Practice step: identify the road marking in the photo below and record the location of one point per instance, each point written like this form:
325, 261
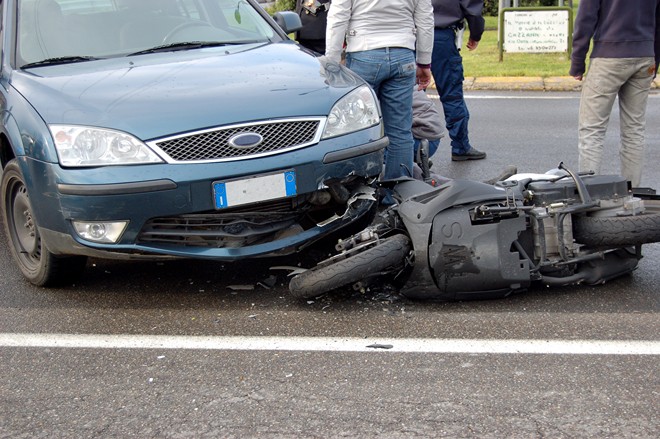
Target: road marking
332, 344
543, 97
535, 97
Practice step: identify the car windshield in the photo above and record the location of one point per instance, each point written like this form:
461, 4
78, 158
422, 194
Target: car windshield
64, 31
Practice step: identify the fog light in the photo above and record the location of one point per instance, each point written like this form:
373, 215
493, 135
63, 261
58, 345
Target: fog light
107, 232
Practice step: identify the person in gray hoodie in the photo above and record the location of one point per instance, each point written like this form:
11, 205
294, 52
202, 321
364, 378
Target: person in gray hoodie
624, 61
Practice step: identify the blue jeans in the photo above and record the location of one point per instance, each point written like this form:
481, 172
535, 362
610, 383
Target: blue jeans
391, 72
447, 70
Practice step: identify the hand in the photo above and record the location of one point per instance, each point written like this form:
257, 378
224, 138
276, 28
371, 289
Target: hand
471, 44
423, 77
578, 77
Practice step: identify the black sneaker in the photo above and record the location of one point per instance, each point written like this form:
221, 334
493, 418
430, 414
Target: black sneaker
472, 154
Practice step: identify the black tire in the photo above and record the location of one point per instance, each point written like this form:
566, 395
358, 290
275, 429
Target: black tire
619, 231
389, 253
38, 265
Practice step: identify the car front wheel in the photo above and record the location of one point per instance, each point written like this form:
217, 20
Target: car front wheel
38, 265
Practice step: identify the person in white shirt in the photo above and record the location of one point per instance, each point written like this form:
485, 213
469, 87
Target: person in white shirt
389, 44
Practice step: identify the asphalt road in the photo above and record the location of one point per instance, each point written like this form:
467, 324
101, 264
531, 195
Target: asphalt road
195, 349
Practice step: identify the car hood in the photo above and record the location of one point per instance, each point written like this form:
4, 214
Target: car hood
156, 95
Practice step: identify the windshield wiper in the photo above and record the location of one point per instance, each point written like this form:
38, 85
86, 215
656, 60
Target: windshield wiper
59, 60
173, 47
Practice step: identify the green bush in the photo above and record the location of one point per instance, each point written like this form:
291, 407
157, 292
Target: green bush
491, 6
282, 5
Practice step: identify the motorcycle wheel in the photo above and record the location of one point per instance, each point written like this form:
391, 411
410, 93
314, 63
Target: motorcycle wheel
389, 253
620, 231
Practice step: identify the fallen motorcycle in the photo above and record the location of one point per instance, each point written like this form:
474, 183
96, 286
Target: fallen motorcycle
470, 240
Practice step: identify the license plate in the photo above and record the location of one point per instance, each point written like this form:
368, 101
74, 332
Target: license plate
254, 189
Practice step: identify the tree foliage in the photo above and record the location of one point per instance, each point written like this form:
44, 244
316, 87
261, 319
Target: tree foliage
491, 7
282, 5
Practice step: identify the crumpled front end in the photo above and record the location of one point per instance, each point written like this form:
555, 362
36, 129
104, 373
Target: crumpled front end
279, 227
276, 227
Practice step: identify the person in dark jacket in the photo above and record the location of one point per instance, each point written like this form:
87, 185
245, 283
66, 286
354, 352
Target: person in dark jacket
314, 17
624, 61
450, 17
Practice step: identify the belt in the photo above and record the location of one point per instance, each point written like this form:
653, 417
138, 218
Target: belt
455, 26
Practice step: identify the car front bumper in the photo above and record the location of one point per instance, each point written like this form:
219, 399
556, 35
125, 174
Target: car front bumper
101, 195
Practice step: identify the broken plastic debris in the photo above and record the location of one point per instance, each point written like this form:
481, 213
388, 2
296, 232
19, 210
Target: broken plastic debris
240, 287
293, 270
380, 346
269, 282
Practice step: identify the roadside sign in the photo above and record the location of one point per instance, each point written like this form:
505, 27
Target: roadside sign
536, 30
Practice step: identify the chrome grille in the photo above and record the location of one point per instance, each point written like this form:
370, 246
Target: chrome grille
278, 136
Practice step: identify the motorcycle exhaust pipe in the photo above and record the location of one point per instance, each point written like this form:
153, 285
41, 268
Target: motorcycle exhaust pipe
563, 281
613, 265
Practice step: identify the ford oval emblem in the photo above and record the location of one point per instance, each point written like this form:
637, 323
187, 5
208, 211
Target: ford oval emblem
245, 140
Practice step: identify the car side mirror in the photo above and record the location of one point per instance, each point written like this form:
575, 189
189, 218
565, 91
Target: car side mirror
289, 21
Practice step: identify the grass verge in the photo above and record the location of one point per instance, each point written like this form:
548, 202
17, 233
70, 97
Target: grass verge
484, 61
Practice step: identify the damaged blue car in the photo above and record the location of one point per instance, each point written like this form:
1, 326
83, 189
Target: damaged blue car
136, 129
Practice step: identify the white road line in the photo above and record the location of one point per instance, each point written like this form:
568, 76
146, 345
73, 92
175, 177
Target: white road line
540, 97
432, 95
329, 344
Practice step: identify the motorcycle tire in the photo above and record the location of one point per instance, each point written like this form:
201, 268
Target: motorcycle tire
389, 253
620, 231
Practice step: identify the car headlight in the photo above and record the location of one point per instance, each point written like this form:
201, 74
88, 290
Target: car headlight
79, 146
355, 111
